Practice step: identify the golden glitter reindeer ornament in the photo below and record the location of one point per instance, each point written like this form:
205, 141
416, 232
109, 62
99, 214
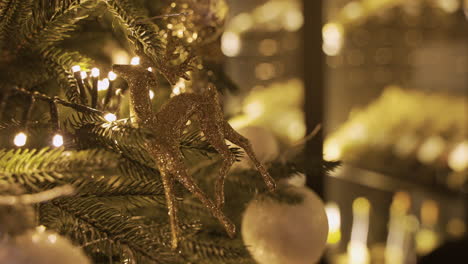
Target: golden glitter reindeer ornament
168, 124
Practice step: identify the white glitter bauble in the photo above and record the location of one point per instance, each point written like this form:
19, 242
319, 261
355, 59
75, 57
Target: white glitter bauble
41, 247
281, 233
264, 145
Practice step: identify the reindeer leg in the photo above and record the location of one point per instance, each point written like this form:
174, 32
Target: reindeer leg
244, 143
176, 162
168, 184
215, 136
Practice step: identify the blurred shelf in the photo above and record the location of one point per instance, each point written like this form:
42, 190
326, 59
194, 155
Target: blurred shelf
393, 183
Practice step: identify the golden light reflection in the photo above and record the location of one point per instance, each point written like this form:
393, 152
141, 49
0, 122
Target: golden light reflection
334, 223
230, 44
358, 252
431, 149
293, 19
426, 241
265, 71
120, 56
333, 39
458, 157
268, 47
254, 109
398, 228
426, 238
332, 150
353, 10
456, 227
449, 6
429, 213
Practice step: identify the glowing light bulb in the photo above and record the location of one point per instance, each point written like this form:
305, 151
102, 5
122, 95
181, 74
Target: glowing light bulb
110, 117
95, 72
57, 140
151, 94
52, 238
135, 61
179, 87
76, 68
230, 44
112, 76
20, 139
150, 69
103, 85
83, 75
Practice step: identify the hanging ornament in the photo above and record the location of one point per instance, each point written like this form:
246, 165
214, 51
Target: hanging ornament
15, 217
197, 21
164, 147
278, 230
41, 247
264, 145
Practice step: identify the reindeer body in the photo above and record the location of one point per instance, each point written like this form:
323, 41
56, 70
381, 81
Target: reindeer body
168, 124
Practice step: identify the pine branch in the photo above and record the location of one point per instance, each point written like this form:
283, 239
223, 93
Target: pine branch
33, 167
120, 191
145, 37
52, 21
137, 171
90, 220
77, 107
207, 251
117, 136
139, 32
58, 63
14, 13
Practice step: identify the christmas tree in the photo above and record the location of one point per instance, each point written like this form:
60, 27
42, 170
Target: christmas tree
128, 162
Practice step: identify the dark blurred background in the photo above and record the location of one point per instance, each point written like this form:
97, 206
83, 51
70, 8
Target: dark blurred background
389, 85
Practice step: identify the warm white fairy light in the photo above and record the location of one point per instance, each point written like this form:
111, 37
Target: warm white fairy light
52, 238
151, 94
83, 75
57, 140
110, 117
103, 85
20, 139
135, 61
150, 69
76, 68
41, 229
95, 72
112, 76
179, 87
